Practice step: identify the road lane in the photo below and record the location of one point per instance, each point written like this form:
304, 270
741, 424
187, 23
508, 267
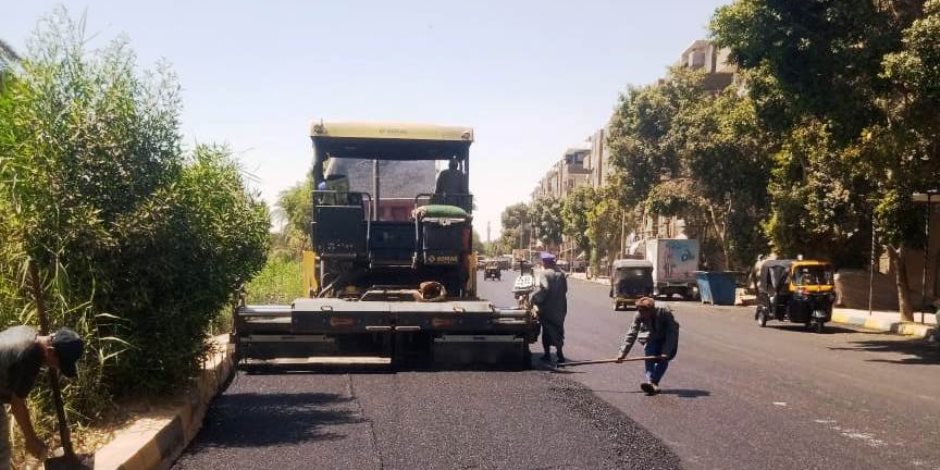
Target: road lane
418, 420
743, 397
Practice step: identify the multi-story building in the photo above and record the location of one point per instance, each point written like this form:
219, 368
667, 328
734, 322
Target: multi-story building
565, 175
598, 160
706, 56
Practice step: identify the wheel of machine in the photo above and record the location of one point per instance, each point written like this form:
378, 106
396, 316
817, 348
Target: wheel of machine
761, 317
820, 327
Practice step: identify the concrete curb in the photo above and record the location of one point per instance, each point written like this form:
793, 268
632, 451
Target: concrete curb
918, 330
155, 442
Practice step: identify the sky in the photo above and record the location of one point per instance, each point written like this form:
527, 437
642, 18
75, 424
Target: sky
531, 77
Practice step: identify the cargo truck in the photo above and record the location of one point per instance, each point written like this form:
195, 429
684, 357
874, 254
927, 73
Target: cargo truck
675, 261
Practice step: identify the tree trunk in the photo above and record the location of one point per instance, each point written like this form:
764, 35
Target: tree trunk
721, 233
897, 256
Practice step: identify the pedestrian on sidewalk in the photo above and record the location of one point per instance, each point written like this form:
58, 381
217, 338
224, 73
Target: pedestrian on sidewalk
551, 297
22, 353
658, 331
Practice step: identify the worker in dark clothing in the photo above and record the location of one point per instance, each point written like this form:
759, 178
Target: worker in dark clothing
551, 297
658, 331
22, 354
451, 182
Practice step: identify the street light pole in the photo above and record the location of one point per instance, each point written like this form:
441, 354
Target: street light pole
927, 197
923, 286
871, 265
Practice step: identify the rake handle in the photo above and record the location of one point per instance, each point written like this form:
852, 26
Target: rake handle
607, 361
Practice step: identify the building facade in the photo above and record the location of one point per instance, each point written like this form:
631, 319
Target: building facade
564, 175
706, 56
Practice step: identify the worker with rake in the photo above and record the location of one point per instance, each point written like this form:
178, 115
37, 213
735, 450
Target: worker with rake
658, 331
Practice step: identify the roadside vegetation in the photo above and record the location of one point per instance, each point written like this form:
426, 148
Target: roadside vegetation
140, 242
280, 282
829, 129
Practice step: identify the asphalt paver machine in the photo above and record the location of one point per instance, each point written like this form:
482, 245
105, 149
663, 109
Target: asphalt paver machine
391, 276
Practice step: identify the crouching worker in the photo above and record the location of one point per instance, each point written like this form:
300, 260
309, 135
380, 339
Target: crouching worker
22, 353
658, 331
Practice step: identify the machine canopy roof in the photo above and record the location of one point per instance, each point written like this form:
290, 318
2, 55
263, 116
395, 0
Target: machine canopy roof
390, 141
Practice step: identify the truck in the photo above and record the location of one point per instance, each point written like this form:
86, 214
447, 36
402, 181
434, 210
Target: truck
391, 277
675, 261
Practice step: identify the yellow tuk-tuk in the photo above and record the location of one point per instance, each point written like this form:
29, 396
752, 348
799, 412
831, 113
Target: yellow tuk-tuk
797, 291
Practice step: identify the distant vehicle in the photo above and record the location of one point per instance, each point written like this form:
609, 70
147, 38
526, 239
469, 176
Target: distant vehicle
492, 271
675, 261
630, 280
505, 262
796, 291
522, 265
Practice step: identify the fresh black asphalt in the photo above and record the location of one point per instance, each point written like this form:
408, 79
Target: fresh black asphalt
418, 420
737, 397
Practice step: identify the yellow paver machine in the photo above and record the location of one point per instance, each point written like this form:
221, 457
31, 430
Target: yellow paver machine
391, 278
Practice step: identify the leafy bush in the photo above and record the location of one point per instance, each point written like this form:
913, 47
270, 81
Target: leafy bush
280, 282
140, 245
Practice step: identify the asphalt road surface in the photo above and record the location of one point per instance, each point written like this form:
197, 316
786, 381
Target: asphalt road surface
419, 420
738, 396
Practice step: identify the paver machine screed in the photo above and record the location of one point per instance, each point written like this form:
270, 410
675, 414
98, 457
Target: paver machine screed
391, 277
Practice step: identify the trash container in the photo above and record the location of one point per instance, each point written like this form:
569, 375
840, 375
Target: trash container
717, 287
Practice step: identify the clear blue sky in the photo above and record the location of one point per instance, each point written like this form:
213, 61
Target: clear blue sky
532, 77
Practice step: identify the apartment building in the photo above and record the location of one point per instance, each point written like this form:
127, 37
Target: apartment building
564, 175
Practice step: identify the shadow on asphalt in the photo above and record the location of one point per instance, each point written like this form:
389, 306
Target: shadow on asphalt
678, 392
686, 392
829, 329
287, 418
509, 366
918, 351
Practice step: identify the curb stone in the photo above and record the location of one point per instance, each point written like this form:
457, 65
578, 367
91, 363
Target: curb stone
918, 330
155, 442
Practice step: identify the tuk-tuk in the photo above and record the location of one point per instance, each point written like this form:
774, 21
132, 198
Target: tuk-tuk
492, 271
798, 291
630, 280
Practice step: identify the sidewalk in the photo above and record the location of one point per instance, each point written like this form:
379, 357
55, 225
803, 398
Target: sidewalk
888, 322
597, 280
155, 441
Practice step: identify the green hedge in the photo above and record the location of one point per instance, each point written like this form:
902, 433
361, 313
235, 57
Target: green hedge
140, 243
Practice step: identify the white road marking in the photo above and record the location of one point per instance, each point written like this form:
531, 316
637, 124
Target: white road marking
866, 437
780, 403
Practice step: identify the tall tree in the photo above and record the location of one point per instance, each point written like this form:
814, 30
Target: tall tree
546, 214
832, 78
576, 207
295, 209
517, 225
